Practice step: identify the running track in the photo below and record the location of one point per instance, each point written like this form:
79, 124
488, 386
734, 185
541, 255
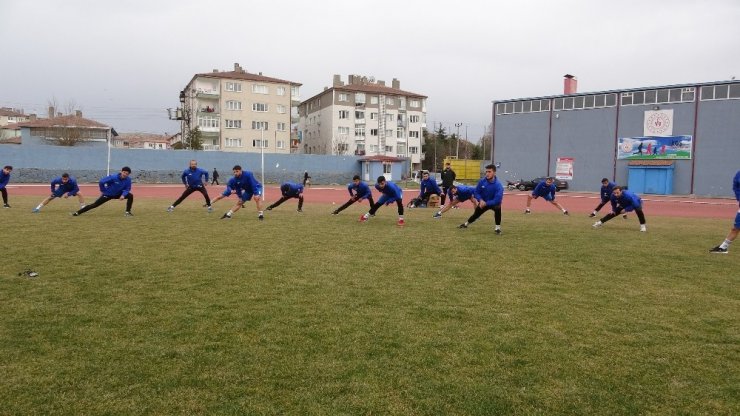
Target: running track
575, 202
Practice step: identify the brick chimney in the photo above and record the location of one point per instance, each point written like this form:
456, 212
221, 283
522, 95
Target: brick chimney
337, 82
78, 113
350, 80
570, 84
396, 84
51, 111
32, 117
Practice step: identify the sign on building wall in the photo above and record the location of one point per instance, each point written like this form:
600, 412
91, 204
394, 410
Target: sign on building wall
564, 168
671, 147
658, 123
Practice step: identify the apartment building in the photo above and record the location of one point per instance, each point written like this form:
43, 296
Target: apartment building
11, 115
238, 111
363, 117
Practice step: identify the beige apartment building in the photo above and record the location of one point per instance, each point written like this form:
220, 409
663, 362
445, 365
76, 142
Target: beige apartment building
364, 117
238, 111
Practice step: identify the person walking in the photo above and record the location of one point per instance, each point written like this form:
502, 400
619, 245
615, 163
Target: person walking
490, 194
4, 179
624, 200
358, 190
62, 187
116, 186
192, 178
722, 248
214, 177
306, 179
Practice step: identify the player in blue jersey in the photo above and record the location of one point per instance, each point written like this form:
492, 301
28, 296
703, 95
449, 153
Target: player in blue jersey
358, 190
545, 189
458, 195
607, 187
627, 201
116, 186
390, 193
722, 248
62, 187
489, 193
246, 187
4, 179
289, 190
193, 179
427, 188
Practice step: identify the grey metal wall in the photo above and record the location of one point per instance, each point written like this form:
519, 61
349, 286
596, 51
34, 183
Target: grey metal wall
717, 147
587, 136
521, 145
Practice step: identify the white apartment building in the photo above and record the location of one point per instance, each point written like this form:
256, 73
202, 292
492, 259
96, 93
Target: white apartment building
363, 117
238, 111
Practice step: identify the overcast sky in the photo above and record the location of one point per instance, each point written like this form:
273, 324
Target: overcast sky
123, 63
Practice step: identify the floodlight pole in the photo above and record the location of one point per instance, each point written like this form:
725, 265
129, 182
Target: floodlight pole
107, 169
262, 157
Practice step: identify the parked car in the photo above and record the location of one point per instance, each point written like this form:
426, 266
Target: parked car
526, 185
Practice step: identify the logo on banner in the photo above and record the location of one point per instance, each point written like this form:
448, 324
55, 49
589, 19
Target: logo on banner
658, 123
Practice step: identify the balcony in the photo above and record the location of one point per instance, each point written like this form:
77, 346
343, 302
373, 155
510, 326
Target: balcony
210, 130
208, 110
359, 121
359, 153
206, 93
211, 147
359, 138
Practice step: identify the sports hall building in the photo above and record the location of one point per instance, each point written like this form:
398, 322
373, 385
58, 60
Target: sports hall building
675, 139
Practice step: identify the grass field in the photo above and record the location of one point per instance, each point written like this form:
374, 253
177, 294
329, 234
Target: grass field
310, 313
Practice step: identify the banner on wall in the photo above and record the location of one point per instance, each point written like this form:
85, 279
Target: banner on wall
564, 168
658, 123
671, 147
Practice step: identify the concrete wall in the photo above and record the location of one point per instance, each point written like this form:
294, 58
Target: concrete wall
39, 163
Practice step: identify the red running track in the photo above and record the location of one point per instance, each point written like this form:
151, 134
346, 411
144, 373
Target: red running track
575, 202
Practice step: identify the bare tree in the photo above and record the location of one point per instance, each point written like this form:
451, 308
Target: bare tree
63, 131
339, 145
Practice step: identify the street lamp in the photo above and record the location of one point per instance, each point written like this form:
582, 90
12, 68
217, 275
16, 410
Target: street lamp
457, 152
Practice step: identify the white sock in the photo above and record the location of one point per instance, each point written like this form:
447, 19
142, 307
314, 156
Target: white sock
563, 209
39, 206
594, 213
498, 227
725, 244
367, 215
172, 207
400, 217
260, 212
228, 214
599, 222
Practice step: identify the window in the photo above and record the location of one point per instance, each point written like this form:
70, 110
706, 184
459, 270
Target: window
280, 90
536, 106
389, 101
611, 100
233, 124
414, 134
402, 102
373, 116
342, 147
650, 97
343, 130
414, 103
390, 117
374, 99
387, 168
413, 150
259, 125
228, 142
373, 132
687, 94
359, 114
734, 91
343, 114
233, 105
518, 107
389, 149
294, 91
256, 143
360, 98
527, 107
374, 148
281, 126
260, 107
389, 133
401, 150
343, 97
280, 108
415, 119
662, 96
280, 144
208, 122
545, 105
234, 86
399, 133
359, 130
260, 89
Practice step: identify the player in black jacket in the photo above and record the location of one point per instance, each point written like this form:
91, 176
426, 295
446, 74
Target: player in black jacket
448, 178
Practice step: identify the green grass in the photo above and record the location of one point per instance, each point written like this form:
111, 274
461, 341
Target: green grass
315, 314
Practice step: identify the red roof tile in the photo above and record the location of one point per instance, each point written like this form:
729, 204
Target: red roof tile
9, 112
245, 76
63, 121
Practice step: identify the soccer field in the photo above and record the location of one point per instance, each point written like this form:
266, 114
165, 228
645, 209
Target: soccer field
309, 313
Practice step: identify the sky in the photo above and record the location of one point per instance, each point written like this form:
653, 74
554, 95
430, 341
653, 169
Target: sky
124, 63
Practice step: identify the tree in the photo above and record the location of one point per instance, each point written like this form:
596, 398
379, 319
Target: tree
194, 140
65, 131
339, 145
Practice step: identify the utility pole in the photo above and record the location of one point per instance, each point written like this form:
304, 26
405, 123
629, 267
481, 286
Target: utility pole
457, 137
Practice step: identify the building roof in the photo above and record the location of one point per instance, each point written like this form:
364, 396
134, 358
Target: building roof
11, 126
368, 88
11, 140
64, 121
381, 158
144, 137
243, 75
9, 112
697, 84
